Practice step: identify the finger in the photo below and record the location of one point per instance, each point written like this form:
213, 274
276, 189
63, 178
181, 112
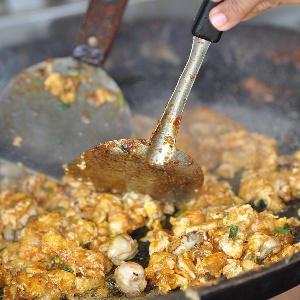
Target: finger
267, 4
287, 2
258, 10
230, 12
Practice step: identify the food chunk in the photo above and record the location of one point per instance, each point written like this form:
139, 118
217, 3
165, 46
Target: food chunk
63, 238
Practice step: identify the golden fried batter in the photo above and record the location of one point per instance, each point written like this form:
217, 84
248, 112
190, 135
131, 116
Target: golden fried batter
61, 239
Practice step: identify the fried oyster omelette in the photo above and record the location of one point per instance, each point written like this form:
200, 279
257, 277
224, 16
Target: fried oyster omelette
63, 239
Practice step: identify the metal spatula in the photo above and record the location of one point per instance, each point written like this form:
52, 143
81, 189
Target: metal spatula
54, 110
153, 166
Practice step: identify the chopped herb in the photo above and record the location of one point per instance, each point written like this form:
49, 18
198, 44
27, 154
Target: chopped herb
75, 74
227, 215
1, 249
129, 189
285, 229
122, 202
59, 208
47, 188
178, 213
56, 259
266, 266
163, 223
56, 142
64, 106
288, 259
298, 194
66, 268
121, 99
233, 230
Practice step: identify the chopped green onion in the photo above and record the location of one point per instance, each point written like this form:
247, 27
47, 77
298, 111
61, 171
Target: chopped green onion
227, 215
59, 208
2, 249
233, 230
74, 73
47, 188
56, 259
282, 230
298, 194
64, 106
178, 213
56, 142
122, 202
288, 259
67, 269
163, 223
266, 266
121, 99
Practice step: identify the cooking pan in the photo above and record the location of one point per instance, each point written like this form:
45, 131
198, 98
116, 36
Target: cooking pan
252, 76
69, 101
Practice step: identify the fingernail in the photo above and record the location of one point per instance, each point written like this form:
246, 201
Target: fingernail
218, 20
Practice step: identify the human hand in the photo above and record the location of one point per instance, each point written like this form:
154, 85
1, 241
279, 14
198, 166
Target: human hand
230, 12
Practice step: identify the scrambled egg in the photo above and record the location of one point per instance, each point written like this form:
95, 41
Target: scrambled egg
204, 245
65, 88
61, 239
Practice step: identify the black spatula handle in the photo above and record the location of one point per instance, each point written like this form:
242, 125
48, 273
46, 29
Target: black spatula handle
202, 27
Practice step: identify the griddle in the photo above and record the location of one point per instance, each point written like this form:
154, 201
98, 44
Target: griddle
146, 61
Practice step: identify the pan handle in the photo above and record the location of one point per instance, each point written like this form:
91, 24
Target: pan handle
202, 28
98, 30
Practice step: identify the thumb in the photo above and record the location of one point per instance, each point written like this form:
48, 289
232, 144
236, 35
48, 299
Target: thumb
230, 12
